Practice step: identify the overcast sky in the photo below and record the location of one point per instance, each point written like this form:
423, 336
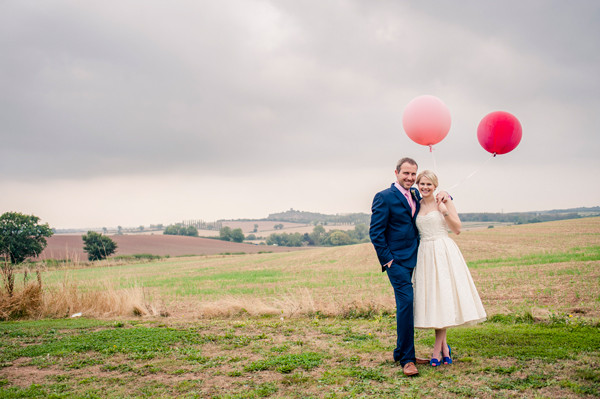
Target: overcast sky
144, 112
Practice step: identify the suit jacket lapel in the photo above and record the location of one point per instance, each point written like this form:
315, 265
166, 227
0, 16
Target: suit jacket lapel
402, 197
405, 201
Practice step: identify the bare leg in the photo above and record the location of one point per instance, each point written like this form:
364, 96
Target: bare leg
445, 347
440, 345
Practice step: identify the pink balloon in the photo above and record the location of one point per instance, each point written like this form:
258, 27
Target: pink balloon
426, 120
499, 132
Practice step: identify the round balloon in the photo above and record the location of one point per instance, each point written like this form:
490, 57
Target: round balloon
499, 132
426, 120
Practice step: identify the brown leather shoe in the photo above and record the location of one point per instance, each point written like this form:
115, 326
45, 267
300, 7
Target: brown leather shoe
420, 360
410, 369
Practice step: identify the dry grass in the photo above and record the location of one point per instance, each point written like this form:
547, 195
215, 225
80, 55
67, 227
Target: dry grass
23, 303
520, 240
291, 304
569, 287
72, 299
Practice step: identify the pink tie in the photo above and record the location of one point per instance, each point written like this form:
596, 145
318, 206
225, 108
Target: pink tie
412, 205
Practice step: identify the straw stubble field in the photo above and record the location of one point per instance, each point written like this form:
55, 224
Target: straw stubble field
548, 267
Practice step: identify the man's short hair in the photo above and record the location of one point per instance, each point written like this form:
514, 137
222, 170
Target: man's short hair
405, 160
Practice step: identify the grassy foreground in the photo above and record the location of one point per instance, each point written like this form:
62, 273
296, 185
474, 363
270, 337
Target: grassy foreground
296, 358
315, 323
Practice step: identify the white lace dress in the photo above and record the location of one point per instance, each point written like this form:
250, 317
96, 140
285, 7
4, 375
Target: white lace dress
444, 292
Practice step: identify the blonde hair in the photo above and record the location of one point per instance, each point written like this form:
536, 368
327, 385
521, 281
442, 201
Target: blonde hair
430, 175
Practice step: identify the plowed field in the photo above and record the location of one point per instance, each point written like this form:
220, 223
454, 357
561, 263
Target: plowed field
71, 246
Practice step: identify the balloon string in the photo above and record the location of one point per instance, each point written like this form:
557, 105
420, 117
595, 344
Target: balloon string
472, 173
434, 162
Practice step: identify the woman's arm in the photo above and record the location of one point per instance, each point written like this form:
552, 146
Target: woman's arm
450, 215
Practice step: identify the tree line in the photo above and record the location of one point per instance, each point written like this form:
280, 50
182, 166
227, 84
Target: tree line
295, 216
320, 237
180, 229
517, 217
512, 217
225, 233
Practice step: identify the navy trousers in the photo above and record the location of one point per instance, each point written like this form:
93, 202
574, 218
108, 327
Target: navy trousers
401, 280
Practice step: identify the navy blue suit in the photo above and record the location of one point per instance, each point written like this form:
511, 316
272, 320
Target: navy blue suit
395, 237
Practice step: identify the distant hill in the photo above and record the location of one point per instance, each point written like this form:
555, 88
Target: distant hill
531, 217
296, 216
302, 217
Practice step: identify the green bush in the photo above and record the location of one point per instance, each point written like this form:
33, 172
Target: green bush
97, 246
227, 234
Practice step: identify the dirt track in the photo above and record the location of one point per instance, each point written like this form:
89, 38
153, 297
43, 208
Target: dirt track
71, 246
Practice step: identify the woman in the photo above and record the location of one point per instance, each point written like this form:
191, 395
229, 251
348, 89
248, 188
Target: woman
444, 292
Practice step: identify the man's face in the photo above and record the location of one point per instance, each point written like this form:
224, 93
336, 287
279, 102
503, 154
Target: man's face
407, 175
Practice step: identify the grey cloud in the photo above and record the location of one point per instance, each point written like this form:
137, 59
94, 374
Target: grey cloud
222, 87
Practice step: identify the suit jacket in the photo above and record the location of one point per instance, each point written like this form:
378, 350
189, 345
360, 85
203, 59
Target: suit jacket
393, 229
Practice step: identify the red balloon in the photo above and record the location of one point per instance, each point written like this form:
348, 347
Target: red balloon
426, 120
499, 132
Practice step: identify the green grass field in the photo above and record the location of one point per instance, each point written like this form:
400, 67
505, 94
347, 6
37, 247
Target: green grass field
317, 323
302, 357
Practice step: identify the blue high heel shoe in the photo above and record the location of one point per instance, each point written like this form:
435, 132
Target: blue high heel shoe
434, 362
448, 359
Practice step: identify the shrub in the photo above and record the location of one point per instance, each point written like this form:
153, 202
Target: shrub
225, 233
237, 235
97, 246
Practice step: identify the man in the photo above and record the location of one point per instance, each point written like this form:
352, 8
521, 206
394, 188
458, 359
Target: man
395, 237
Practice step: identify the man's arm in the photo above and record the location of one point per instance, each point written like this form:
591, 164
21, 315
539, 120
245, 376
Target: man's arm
379, 220
443, 196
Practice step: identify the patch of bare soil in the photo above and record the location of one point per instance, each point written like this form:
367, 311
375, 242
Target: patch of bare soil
23, 375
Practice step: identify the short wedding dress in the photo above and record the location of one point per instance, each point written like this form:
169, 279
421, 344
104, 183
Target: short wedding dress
444, 292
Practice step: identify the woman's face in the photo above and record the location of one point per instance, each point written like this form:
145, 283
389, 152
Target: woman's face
426, 187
